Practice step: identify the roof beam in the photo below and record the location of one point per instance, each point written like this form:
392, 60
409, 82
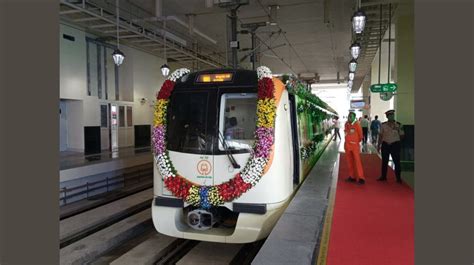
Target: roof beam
86, 19
101, 26
67, 12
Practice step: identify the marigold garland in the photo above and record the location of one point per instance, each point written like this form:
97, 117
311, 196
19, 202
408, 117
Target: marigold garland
209, 196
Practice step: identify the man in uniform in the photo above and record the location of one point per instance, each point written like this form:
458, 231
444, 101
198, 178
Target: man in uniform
353, 136
390, 134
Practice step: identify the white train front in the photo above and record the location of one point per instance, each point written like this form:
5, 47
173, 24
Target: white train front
209, 121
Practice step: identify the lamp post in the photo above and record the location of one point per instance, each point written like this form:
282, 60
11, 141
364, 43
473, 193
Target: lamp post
118, 55
351, 76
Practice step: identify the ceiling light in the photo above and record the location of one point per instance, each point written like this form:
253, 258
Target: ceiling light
351, 76
352, 65
358, 21
165, 70
355, 50
273, 14
118, 57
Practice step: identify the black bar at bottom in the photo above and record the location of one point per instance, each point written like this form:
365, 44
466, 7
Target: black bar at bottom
169, 202
250, 208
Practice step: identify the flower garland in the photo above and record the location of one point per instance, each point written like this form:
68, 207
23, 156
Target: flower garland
208, 196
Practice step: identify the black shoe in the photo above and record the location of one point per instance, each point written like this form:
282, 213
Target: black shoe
350, 179
382, 179
361, 181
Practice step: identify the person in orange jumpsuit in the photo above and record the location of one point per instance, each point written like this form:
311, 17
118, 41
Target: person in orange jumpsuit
353, 136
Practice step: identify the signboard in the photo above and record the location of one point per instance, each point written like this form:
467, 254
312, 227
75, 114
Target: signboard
357, 104
234, 44
379, 88
208, 78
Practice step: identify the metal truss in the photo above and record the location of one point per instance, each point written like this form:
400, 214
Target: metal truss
100, 19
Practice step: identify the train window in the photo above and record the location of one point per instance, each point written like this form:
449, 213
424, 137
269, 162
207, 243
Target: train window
237, 120
187, 123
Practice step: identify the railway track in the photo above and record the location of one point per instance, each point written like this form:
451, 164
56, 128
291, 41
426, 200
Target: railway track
159, 249
121, 232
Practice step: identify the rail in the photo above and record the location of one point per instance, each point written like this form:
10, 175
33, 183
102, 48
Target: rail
109, 181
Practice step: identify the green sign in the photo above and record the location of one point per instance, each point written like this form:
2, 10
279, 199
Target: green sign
378, 88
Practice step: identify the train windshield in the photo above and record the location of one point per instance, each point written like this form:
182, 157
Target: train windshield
188, 123
237, 120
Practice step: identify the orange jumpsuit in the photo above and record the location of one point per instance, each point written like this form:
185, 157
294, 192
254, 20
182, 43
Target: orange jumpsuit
353, 136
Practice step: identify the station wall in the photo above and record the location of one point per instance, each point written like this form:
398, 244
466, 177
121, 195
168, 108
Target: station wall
139, 77
377, 105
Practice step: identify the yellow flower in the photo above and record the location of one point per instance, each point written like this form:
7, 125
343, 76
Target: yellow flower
193, 197
214, 197
266, 112
159, 117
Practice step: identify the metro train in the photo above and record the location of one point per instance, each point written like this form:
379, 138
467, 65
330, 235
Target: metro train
231, 147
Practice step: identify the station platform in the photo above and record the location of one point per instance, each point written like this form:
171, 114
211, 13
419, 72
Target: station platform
331, 221
71, 159
84, 176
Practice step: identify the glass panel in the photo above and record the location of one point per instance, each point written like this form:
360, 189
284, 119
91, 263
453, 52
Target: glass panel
110, 90
99, 70
121, 116
103, 116
93, 77
187, 123
129, 117
237, 120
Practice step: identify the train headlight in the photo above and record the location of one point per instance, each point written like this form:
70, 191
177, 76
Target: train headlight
193, 219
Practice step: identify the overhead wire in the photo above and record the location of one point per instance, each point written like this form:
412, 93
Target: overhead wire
286, 38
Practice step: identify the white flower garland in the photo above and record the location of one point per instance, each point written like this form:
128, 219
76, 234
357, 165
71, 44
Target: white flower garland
263, 71
178, 73
253, 171
164, 166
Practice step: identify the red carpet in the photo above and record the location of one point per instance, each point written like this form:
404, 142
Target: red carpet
373, 224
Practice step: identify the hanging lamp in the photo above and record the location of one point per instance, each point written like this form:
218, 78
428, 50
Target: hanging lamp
351, 76
165, 69
355, 50
358, 20
352, 65
118, 55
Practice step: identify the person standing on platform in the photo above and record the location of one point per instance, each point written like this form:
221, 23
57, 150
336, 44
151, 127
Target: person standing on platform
353, 136
364, 123
375, 129
390, 135
336, 128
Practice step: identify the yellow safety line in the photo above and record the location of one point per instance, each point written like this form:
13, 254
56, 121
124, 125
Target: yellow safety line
324, 245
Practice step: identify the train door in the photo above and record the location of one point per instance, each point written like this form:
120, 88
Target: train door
294, 137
